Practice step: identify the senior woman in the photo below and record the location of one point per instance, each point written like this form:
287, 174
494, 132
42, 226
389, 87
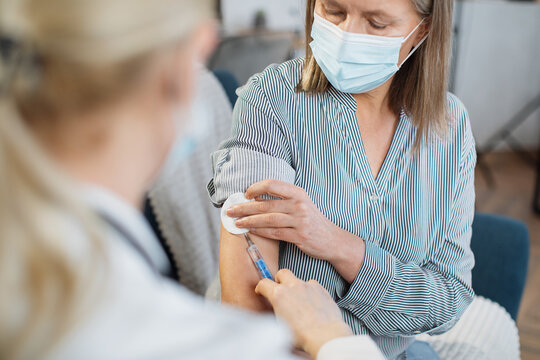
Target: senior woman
362, 168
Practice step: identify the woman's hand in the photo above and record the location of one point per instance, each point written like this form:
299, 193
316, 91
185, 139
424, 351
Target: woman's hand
308, 309
297, 220
294, 219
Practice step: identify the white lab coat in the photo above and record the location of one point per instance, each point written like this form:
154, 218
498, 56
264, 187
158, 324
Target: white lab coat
138, 314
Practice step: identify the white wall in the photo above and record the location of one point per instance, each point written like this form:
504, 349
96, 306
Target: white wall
281, 15
498, 66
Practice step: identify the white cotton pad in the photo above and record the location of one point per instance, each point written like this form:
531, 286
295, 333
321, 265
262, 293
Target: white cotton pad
229, 222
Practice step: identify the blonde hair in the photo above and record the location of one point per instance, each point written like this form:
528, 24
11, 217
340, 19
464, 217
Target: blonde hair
420, 87
70, 55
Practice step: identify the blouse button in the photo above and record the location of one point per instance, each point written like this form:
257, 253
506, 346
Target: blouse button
374, 197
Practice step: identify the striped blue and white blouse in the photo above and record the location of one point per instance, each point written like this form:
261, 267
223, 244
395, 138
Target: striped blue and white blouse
415, 216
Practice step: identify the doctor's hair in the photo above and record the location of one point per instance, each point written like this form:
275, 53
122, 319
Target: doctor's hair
63, 57
420, 87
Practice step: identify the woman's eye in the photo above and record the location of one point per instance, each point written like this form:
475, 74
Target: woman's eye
376, 26
336, 13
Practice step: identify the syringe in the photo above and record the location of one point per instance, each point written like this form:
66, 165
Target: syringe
229, 224
258, 260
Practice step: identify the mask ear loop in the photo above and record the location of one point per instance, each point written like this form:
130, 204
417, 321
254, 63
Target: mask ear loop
417, 46
413, 30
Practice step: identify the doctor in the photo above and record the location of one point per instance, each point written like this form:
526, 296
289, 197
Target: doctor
86, 121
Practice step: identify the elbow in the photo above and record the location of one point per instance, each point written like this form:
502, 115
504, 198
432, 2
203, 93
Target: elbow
449, 316
463, 297
444, 314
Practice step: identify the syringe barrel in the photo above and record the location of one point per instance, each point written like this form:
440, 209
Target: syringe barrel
259, 262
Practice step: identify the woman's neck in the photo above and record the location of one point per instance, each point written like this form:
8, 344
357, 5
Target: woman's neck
374, 106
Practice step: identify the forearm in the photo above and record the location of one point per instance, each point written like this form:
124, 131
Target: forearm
392, 297
238, 275
347, 256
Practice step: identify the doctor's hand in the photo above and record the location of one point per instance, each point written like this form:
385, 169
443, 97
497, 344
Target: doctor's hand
308, 309
297, 220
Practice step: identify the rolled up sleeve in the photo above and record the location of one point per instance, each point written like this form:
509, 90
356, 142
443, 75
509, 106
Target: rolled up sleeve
260, 147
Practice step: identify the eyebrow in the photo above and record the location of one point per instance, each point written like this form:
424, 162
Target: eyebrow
380, 14
370, 13
332, 3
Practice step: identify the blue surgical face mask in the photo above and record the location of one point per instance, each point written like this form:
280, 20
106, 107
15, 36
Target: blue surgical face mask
356, 63
192, 125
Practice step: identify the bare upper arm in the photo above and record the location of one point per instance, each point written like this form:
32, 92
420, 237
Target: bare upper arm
238, 275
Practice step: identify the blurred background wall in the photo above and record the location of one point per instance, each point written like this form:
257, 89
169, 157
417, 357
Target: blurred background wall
498, 66
281, 15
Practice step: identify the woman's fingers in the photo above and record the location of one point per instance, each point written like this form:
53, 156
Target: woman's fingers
261, 207
282, 234
311, 313
266, 288
274, 220
285, 276
275, 188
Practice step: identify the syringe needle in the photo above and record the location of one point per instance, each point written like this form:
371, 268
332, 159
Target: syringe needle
246, 236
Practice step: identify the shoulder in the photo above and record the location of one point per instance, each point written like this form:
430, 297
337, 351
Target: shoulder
277, 80
459, 117
459, 129
457, 109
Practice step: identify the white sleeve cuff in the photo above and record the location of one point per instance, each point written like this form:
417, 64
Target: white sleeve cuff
350, 347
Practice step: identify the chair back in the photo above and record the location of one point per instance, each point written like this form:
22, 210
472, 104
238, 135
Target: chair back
501, 249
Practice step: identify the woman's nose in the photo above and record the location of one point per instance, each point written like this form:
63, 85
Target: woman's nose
353, 25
